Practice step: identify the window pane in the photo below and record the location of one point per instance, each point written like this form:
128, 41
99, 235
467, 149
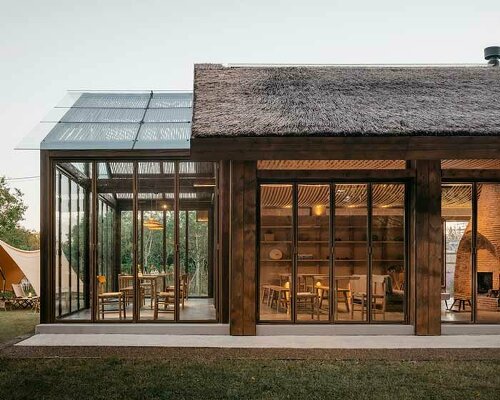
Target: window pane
197, 205
276, 252
72, 237
156, 240
388, 252
351, 252
313, 253
456, 212
488, 253
115, 283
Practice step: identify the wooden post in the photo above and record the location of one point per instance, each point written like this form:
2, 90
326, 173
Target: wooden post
428, 247
47, 277
243, 247
224, 239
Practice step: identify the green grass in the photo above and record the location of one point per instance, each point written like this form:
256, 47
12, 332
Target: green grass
114, 378
15, 323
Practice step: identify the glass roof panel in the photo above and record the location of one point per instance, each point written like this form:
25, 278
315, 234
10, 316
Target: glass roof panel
115, 121
170, 100
103, 115
91, 136
179, 114
172, 135
112, 100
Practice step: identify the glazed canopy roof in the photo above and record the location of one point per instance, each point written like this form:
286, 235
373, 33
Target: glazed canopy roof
345, 101
115, 121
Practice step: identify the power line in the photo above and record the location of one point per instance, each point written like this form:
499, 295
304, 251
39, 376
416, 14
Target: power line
23, 178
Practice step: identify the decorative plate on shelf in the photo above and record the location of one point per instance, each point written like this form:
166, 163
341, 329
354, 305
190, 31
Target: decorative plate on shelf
275, 254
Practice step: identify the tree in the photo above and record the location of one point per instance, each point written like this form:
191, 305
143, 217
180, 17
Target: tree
12, 209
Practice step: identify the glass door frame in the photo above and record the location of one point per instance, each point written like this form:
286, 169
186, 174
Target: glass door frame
332, 245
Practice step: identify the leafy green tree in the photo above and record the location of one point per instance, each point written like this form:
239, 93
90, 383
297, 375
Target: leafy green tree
12, 209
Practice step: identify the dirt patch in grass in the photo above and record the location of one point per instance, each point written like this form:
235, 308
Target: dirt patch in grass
214, 354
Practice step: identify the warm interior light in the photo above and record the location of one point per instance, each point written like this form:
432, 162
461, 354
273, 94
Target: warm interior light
202, 216
319, 210
152, 224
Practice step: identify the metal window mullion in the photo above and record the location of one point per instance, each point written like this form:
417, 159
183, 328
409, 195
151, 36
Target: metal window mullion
59, 241
78, 247
293, 283
176, 240
474, 254
332, 293
135, 259
369, 288
93, 243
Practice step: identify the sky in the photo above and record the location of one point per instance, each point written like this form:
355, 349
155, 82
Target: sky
48, 47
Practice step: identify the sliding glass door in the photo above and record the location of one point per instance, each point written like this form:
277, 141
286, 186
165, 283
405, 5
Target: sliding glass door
332, 252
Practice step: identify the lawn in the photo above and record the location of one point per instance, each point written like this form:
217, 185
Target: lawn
163, 373
16, 323
116, 378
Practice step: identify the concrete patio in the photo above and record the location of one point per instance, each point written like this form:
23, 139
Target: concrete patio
275, 342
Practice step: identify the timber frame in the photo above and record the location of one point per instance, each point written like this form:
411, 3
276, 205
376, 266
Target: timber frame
237, 222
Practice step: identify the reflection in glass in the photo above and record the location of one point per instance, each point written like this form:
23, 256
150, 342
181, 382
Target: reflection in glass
276, 252
456, 293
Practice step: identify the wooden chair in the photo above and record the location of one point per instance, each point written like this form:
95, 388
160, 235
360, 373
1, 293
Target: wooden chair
183, 288
164, 298
359, 296
20, 299
109, 298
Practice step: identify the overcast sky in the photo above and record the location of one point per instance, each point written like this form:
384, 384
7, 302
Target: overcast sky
48, 47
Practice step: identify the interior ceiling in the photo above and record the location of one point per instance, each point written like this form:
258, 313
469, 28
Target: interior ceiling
370, 164
384, 195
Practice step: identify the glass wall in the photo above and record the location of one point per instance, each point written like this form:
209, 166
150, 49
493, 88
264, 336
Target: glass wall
488, 253
312, 294
197, 239
156, 221
155, 233
351, 252
456, 292
388, 252
350, 237
115, 295
276, 252
72, 218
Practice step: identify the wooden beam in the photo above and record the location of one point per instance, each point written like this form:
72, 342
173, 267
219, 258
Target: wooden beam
460, 175
243, 248
428, 247
337, 175
346, 148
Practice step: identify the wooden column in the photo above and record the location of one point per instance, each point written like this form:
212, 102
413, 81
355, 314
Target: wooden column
428, 247
47, 277
224, 214
243, 247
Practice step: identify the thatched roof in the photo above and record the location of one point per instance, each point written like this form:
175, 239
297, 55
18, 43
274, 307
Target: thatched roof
345, 101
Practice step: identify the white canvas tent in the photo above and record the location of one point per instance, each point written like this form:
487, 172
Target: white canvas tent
17, 264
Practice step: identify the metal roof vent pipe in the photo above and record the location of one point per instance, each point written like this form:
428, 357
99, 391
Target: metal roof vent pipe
492, 54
